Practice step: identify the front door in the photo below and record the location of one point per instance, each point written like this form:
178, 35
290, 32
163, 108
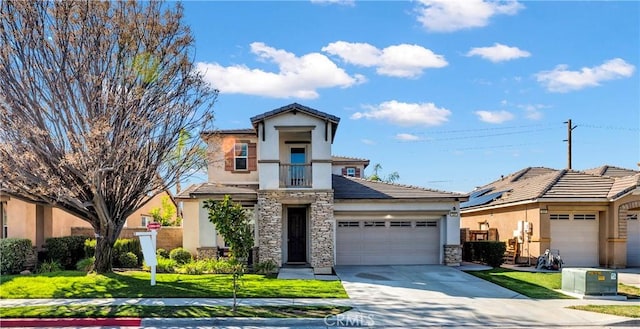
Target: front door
297, 235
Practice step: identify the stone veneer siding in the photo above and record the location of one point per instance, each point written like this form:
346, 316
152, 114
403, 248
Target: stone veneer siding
452, 254
271, 204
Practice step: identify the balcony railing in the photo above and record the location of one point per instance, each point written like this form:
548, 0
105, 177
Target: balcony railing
295, 175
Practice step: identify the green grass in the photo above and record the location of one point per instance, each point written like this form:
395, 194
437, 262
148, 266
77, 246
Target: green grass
533, 285
73, 284
631, 311
145, 311
630, 291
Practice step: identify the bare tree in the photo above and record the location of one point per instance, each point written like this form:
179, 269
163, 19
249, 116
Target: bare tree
94, 96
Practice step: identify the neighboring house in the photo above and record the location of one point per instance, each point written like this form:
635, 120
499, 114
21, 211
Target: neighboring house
590, 216
312, 209
35, 221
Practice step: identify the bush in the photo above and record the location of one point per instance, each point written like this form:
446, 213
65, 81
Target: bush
165, 265
162, 253
180, 255
14, 253
266, 267
123, 246
86, 264
197, 267
49, 267
90, 247
67, 250
128, 260
488, 252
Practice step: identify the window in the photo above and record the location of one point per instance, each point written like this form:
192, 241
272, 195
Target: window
348, 224
632, 216
431, 223
400, 224
559, 216
146, 219
240, 156
351, 172
374, 224
584, 217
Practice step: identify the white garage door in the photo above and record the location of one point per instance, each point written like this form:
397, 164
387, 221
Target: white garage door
388, 242
633, 240
576, 236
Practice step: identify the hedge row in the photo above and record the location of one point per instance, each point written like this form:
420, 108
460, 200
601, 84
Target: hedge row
487, 252
14, 254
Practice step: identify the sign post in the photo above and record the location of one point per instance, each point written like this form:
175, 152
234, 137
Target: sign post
148, 243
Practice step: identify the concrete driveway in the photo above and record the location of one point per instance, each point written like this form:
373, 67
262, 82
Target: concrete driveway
433, 295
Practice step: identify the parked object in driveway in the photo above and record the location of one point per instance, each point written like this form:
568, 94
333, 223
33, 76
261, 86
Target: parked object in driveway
551, 260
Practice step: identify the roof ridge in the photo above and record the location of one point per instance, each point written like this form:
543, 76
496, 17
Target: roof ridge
348, 157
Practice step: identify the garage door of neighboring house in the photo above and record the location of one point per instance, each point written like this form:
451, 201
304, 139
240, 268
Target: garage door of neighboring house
633, 240
576, 236
388, 242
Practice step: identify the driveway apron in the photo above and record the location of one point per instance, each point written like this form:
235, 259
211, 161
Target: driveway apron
434, 295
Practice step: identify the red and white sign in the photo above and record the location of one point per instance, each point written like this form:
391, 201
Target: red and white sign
154, 226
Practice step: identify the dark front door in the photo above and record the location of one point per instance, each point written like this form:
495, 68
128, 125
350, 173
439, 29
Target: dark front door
297, 235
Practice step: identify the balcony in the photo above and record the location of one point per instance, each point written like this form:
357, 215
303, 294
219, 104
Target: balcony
295, 175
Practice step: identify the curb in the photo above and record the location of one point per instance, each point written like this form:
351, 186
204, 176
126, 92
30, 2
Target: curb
72, 322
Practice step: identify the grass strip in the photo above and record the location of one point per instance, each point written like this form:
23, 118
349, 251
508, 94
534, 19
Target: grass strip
148, 311
132, 284
631, 311
530, 284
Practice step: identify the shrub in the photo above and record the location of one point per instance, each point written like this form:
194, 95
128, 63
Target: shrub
488, 252
162, 253
49, 267
90, 247
266, 267
165, 265
180, 255
86, 264
220, 266
66, 250
123, 246
197, 267
14, 253
128, 260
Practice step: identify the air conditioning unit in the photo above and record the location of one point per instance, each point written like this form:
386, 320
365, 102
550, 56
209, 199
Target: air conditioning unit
590, 281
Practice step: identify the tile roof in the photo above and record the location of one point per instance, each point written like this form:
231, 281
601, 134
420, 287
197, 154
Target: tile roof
357, 188
611, 171
536, 183
204, 189
242, 131
295, 107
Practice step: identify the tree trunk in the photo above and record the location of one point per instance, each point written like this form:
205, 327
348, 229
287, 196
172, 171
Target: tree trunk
103, 262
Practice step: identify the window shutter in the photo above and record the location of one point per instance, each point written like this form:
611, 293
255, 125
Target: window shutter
228, 159
253, 157
358, 172
344, 171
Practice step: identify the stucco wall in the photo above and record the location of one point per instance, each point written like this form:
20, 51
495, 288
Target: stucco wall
217, 147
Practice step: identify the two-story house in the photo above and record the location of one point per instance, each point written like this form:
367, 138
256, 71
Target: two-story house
312, 208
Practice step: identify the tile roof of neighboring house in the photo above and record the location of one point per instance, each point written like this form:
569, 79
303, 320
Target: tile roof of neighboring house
623, 185
536, 183
611, 171
204, 189
357, 188
341, 159
243, 131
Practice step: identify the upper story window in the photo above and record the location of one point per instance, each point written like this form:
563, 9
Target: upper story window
145, 219
351, 172
241, 156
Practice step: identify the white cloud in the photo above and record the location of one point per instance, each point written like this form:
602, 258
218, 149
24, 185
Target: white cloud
407, 137
499, 53
495, 116
350, 3
532, 111
453, 15
367, 141
405, 114
562, 80
298, 77
403, 60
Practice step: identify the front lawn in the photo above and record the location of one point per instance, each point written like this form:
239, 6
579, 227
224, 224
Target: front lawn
145, 311
631, 311
74, 284
533, 285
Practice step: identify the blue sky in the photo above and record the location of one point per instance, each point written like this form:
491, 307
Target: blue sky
450, 94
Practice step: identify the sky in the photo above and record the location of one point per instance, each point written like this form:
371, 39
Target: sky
449, 94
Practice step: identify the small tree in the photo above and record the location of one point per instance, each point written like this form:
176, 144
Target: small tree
232, 223
165, 213
375, 176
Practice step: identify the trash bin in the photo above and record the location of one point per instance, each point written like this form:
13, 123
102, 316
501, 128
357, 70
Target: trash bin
590, 281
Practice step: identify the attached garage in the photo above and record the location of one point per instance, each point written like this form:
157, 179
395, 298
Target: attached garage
576, 236
633, 240
380, 242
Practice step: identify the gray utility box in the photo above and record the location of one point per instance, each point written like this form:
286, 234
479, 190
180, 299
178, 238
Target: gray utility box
590, 281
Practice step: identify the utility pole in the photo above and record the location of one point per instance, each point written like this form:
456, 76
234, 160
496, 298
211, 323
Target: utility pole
568, 140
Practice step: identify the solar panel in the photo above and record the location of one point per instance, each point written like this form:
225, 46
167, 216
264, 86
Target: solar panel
482, 199
478, 193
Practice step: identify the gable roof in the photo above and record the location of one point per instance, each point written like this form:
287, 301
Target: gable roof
538, 183
294, 108
345, 187
336, 159
214, 189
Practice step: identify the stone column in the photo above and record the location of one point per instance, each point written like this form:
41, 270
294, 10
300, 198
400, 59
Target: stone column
321, 221
269, 221
452, 254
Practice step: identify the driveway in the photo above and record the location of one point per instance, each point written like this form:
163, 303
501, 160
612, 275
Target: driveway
434, 295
